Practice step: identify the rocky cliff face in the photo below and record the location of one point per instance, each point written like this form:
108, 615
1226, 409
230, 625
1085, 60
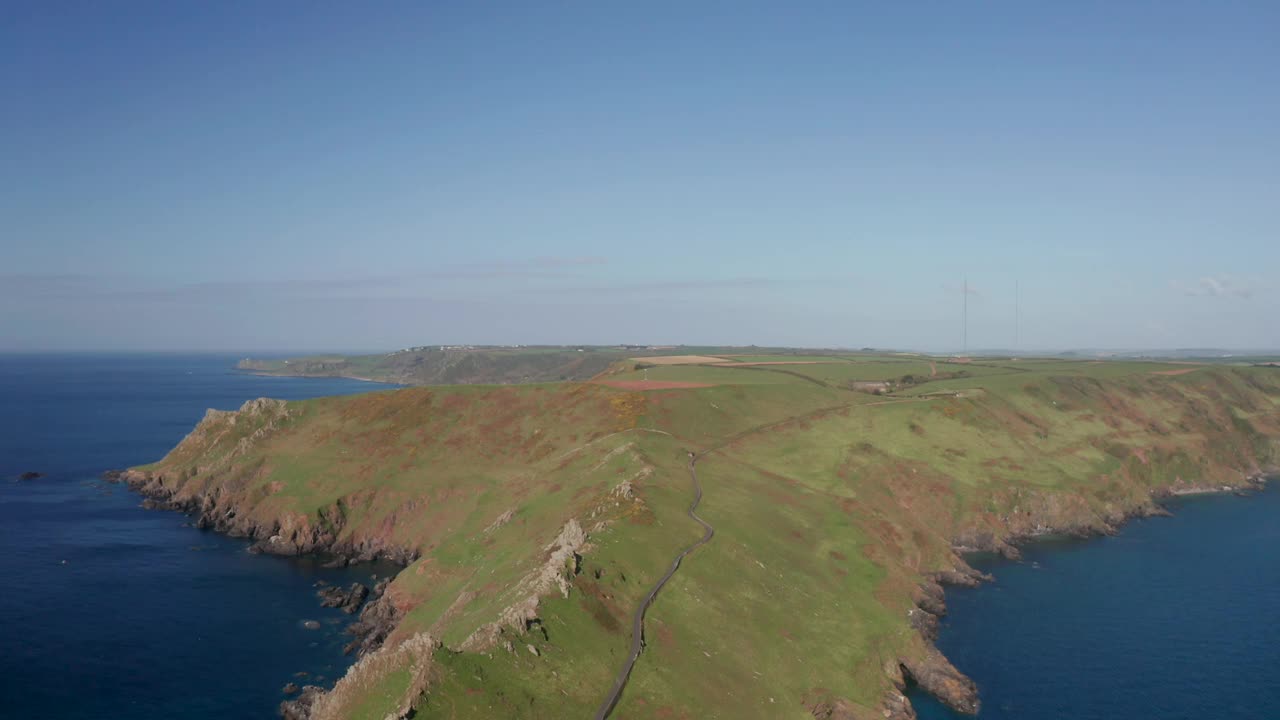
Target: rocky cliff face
232, 514
227, 499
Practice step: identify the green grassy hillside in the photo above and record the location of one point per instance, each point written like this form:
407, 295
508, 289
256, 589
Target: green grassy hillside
536, 517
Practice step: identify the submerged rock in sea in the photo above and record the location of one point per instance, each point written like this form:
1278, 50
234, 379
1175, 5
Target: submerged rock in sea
348, 600
300, 708
31, 475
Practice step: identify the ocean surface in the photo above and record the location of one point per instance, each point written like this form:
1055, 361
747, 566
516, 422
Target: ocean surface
112, 611
1173, 618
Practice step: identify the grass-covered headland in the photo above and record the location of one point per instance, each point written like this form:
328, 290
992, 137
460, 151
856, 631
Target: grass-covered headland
534, 518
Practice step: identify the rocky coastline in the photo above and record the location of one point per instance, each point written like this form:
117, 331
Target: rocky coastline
934, 673
221, 512
376, 613
378, 617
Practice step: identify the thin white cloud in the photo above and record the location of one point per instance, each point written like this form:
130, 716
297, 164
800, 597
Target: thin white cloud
1218, 286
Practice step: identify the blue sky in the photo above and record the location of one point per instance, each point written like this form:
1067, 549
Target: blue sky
250, 176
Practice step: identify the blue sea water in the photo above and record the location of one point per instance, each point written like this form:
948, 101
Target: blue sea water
113, 611
1172, 618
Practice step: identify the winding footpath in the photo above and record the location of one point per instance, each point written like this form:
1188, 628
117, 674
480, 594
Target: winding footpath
637, 622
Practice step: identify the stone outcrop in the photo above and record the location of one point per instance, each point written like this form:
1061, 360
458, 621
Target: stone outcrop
416, 655
348, 600
555, 574
895, 705
935, 674
299, 708
378, 618
501, 520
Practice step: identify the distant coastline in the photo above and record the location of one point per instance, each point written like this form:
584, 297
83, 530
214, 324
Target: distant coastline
259, 373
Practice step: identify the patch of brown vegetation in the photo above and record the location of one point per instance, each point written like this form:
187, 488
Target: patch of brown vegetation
602, 606
628, 408
375, 407
639, 514
665, 635
779, 497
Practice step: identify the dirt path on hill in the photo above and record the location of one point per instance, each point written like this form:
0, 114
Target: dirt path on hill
637, 622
